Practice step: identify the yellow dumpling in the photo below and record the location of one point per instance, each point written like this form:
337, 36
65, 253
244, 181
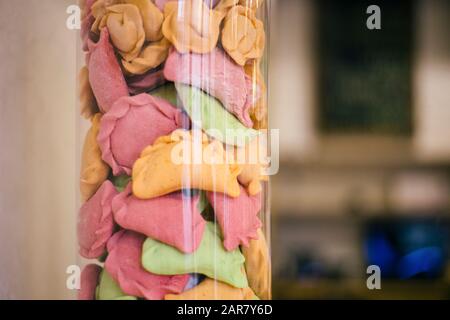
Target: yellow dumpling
210, 289
243, 36
257, 265
172, 163
249, 159
93, 170
191, 26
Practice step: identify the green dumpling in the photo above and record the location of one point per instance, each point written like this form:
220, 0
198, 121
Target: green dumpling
167, 92
210, 259
108, 289
208, 113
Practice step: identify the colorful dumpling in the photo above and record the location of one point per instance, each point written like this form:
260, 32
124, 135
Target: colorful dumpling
252, 159
210, 259
173, 219
124, 265
168, 166
132, 124
88, 282
125, 25
258, 112
258, 265
243, 36
151, 57
135, 29
152, 18
94, 171
216, 74
208, 113
210, 289
198, 30
95, 222
108, 289
237, 217
105, 75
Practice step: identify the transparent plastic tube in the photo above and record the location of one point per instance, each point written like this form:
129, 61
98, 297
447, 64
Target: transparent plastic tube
174, 199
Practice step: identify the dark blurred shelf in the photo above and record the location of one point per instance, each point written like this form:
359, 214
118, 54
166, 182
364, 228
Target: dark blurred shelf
356, 289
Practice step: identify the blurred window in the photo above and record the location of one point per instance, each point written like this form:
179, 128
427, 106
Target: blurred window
365, 75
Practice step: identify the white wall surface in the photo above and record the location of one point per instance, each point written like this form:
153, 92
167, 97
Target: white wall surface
292, 77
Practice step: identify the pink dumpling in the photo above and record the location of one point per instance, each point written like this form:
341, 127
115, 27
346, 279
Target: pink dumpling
132, 124
237, 217
105, 75
95, 222
216, 74
89, 281
124, 265
173, 219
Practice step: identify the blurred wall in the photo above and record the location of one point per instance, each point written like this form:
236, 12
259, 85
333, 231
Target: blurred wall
293, 76
432, 81
329, 185
37, 130
293, 81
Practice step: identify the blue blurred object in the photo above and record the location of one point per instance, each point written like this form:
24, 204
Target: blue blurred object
381, 253
407, 248
426, 261
419, 234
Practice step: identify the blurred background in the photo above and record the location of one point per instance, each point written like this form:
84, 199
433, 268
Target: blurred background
365, 149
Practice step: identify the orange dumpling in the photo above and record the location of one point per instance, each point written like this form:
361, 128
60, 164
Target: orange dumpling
191, 26
249, 157
257, 266
210, 289
184, 160
93, 170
